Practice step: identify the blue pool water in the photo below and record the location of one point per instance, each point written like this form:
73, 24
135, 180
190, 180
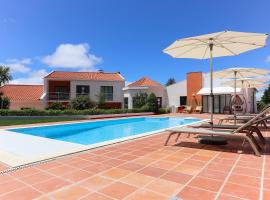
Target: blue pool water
105, 130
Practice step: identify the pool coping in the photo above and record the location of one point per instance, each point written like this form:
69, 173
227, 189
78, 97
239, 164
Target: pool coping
15, 161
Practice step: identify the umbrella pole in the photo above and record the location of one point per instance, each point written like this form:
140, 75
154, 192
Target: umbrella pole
235, 73
211, 83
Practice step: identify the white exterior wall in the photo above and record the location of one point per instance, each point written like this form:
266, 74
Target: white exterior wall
175, 91
158, 91
94, 87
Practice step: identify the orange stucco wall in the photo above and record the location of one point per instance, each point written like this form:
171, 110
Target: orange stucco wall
194, 84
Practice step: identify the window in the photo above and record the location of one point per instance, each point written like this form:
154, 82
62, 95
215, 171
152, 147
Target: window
82, 90
126, 102
183, 100
108, 92
221, 103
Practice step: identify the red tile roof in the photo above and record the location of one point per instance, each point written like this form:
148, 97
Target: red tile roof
144, 81
100, 76
22, 92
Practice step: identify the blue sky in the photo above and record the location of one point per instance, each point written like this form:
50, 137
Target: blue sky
37, 37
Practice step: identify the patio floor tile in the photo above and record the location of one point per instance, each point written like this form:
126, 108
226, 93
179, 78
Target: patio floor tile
145, 195
96, 196
165, 187
36, 178
176, 177
137, 179
266, 194
266, 183
245, 180
152, 171
95, 182
190, 193
118, 190
73, 192
23, 193
247, 171
217, 175
162, 164
187, 169
131, 166
228, 197
10, 186
77, 175
50, 185
241, 191
61, 170
206, 183
116, 173
97, 168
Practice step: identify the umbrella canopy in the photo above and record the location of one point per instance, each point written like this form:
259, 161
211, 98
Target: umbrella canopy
225, 43
241, 72
246, 84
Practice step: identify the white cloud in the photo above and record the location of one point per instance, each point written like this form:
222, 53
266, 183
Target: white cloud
34, 77
268, 59
18, 66
72, 56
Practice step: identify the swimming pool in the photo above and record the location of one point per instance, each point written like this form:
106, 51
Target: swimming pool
87, 133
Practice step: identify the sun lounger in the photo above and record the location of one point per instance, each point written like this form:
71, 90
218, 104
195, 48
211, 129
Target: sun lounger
198, 109
244, 132
254, 127
187, 109
244, 118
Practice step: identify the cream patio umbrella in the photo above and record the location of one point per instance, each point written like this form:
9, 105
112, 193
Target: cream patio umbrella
219, 44
240, 73
247, 83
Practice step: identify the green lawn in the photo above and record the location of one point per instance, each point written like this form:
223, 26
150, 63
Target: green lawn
32, 120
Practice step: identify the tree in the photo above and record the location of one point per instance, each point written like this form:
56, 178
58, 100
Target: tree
170, 81
266, 95
82, 103
5, 75
4, 102
152, 102
139, 100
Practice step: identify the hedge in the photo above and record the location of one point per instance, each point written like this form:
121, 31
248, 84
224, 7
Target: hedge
32, 112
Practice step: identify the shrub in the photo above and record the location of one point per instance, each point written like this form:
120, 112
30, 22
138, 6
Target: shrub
152, 102
101, 100
4, 102
139, 100
56, 106
163, 111
82, 102
92, 111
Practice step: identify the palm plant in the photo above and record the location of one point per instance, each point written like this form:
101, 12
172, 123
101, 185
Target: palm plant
5, 75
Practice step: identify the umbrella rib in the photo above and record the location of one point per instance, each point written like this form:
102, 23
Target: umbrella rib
234, 42
222, 46
217, 36
192, 44
205, 51
187, 51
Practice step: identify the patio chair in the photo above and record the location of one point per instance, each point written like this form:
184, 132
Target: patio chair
243, 132
246, 118
253, 128
198, 109
187, 109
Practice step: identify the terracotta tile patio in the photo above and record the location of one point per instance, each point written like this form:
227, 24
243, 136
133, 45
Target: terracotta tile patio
146, 169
